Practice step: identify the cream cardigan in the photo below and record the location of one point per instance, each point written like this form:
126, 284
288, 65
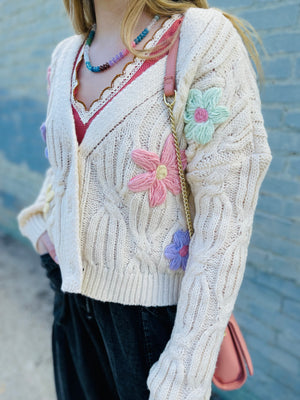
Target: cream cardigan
110, 241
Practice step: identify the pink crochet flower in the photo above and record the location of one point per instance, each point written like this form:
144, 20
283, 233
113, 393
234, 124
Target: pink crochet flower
162, 173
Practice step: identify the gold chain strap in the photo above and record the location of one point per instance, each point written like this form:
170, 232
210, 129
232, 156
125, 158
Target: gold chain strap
183, 182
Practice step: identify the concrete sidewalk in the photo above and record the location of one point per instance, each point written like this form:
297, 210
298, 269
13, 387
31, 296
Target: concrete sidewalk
25, 330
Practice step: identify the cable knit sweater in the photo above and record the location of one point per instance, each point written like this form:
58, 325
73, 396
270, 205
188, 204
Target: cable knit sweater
112, 203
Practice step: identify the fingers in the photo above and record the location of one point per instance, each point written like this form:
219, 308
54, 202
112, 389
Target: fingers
50, 246
41, 248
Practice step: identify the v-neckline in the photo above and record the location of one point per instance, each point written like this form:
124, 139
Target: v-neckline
118, 81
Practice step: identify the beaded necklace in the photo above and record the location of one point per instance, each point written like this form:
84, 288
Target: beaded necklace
120, 55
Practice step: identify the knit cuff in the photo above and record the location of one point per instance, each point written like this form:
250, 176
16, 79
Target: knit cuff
33, 229
161, 380
167, 381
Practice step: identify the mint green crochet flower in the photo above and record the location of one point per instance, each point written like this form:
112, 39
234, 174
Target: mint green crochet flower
202, 114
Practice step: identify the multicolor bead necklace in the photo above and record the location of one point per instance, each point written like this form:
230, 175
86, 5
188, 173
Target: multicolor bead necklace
120, 55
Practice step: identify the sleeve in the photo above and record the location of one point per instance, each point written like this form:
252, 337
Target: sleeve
225, 176
30, 219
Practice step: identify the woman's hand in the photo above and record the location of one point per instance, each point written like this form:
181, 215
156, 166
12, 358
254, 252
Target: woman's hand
44, 245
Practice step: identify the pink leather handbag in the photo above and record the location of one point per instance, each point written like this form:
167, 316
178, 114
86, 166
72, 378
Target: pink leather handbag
230, 372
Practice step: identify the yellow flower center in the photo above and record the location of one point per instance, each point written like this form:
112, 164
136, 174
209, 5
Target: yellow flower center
161, 171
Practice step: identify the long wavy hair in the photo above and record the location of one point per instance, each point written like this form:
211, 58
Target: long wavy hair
82, 15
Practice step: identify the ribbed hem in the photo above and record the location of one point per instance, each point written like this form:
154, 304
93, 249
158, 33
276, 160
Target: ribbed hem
33, 229
131, 289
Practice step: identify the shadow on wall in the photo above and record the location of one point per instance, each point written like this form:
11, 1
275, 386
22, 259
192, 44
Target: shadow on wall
22, 161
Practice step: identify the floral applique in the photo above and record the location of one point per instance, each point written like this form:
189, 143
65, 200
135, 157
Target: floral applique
43, 126
178, 251
202, 114
48, 79
43, 134
162, 173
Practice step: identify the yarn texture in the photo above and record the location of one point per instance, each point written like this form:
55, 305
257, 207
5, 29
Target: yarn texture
202, 114
162, 174
111, 242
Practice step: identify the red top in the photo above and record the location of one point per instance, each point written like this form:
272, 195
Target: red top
79, 125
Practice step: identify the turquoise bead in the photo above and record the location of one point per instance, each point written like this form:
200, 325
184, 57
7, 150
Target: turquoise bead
115, 59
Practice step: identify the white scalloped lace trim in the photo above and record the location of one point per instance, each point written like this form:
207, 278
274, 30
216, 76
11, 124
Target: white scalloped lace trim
130, 69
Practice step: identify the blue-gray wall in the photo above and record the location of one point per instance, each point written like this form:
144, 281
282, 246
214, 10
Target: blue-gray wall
268, 306
29, 31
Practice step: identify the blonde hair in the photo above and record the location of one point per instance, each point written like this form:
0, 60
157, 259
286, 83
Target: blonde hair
82, 15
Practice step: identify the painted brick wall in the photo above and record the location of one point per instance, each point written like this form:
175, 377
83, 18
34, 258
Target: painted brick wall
29, 31
268, 306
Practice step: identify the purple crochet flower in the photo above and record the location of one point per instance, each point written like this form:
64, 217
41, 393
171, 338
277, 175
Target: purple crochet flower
178, 251
44, 135
43, 131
